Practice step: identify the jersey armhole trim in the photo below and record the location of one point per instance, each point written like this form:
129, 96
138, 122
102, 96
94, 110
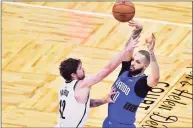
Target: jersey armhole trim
75, 85
68, 81
84, 111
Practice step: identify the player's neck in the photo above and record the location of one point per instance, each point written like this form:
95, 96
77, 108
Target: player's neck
68, 81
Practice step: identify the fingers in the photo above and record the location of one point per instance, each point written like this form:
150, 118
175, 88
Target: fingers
113, 89
112, 93
153, 43
111, 101
153, 39
153, 35
132, 23
148, 41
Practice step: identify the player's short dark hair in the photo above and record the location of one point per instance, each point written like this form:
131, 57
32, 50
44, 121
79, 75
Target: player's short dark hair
146, 54
69, 66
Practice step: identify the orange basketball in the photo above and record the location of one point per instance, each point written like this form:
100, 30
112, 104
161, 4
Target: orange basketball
123, 11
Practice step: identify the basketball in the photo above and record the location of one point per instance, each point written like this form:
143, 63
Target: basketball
123, 11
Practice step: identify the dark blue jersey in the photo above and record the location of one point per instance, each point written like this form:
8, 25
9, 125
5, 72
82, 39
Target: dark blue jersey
130, 92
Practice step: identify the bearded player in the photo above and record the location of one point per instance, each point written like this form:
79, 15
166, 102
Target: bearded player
132, 85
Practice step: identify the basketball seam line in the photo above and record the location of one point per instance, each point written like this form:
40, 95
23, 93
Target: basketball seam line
125, 5
123, 12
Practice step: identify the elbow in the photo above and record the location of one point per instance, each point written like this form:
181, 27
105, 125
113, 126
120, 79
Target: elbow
156, 80
156, 77
91, 103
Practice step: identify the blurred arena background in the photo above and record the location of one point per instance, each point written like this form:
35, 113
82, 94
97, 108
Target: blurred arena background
37, 36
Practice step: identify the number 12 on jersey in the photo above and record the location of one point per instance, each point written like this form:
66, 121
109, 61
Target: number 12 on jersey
115, 96
62, 106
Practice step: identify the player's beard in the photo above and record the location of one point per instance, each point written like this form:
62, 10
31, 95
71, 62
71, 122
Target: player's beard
135, 71
81, 77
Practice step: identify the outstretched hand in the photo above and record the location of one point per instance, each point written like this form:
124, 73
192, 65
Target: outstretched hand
134, 23
150, 42
109, 97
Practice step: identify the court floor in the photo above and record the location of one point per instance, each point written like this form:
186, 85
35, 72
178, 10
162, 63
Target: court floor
37, 36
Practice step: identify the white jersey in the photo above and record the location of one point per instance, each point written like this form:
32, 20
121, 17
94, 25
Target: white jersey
71, 113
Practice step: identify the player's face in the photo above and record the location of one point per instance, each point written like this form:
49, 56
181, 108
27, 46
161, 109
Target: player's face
138, 63
80, 72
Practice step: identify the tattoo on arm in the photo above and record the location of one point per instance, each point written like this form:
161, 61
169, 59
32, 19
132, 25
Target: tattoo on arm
96, 103
152, 56
134, 35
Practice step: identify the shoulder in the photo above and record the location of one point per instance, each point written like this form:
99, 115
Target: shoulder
82, 84
126, 62
79, 84
141, 87
143, 81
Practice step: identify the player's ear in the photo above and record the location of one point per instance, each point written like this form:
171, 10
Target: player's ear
73, 75
146, 65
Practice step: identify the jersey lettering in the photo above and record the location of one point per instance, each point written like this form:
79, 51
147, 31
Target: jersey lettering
130, 107
116, 95
64, 92
123, 87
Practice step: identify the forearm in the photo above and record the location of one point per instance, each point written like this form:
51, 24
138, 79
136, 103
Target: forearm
135, 33
154, 65
117, 60
97, 102
110, 67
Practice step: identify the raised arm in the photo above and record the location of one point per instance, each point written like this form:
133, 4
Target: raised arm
152, 79
135, 33
110, 67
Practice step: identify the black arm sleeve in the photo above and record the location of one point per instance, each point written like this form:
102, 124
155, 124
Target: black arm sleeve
141, 88
125, 67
